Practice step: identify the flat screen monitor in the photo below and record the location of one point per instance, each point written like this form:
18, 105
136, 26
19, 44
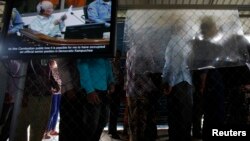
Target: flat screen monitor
78, 39
85, 31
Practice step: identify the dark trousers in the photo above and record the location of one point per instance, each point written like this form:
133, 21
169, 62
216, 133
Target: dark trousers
71, 124
114, 109
214, 111
142, 117
197, 114
5, 121
179, 104
95, 117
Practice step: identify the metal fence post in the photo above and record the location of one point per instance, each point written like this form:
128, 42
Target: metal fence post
18, 99
3, 84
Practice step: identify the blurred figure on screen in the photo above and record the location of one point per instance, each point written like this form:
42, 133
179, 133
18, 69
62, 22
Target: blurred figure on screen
16, 22
99, 11
45, 22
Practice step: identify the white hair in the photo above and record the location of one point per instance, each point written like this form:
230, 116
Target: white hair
43, 5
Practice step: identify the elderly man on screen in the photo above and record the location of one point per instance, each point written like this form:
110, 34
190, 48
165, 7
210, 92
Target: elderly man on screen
47, 23
99, 11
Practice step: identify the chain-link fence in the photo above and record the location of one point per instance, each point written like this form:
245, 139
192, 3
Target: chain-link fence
200, 47
178, 67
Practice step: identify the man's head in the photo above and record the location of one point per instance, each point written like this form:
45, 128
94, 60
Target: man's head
208, 27
45, 8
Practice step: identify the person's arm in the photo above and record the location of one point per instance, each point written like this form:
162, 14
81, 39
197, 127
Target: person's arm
202, 84
94, 16
167, 87
167, 78
17, 22
61, 22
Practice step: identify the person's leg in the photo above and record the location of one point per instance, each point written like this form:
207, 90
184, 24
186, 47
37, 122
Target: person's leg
197, 114
22, 124
71, 126
140, 119
97, 118
56, 113
6, 121
179, 104
114, 113
213, 103
40, 110
52, 112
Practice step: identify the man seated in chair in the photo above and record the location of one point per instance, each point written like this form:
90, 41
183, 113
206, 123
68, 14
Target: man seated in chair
47, 23
99, 11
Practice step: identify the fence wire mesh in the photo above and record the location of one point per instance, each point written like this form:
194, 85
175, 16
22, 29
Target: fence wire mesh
176, 68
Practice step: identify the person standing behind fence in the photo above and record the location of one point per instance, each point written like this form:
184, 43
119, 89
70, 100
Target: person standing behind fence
142, 95
97, 80
210, 80
177, 85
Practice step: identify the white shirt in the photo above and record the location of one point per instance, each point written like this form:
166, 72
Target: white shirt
176, 57
46, 25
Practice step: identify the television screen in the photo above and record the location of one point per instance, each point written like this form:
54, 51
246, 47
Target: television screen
82, 32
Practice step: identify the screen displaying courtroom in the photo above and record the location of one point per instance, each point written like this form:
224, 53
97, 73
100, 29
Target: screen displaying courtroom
52, 30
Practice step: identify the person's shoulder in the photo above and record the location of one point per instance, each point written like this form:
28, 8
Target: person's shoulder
93, 3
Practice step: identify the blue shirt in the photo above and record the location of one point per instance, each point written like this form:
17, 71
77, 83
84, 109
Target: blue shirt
95, 74
16, 22
176, 59
100, 11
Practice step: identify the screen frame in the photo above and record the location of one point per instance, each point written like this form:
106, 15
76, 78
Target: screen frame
108, 52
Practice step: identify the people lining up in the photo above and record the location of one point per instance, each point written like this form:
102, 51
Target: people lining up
87, 85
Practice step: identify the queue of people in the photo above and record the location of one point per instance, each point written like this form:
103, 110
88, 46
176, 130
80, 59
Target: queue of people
88, 85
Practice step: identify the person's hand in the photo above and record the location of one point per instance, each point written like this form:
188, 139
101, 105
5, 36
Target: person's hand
57, 22
63, 17
54, 90
167, 89
111, 89
93, 98
71, 94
